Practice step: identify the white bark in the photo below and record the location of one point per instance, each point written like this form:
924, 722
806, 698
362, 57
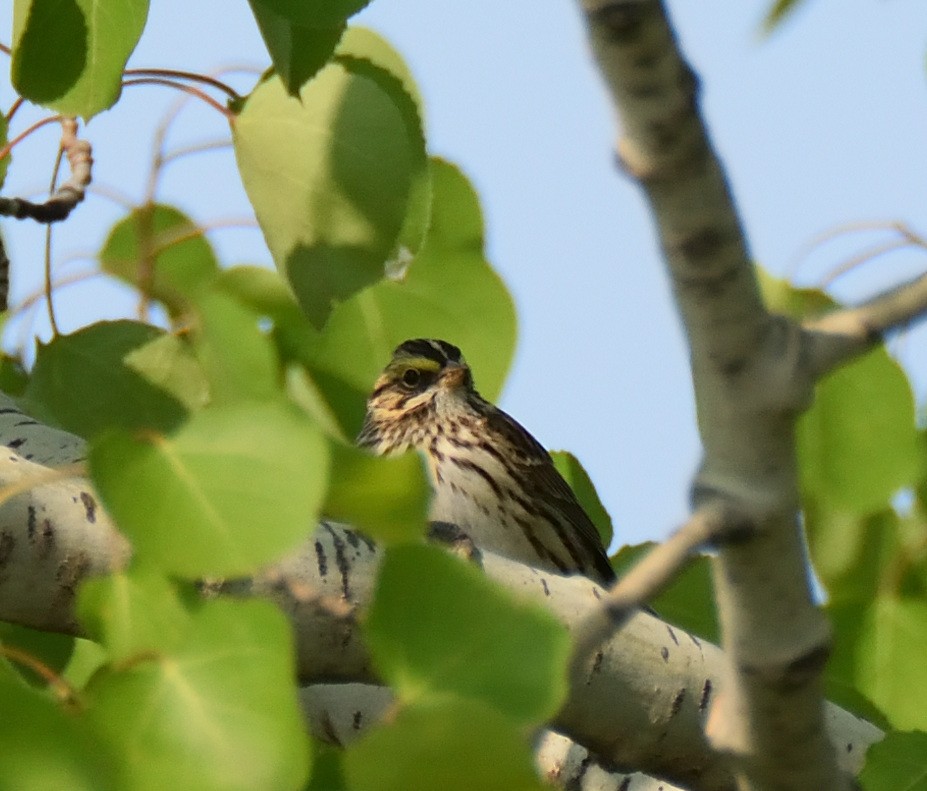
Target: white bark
639, 701
753, 374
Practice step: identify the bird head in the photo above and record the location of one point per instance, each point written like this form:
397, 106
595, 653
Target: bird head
423, 377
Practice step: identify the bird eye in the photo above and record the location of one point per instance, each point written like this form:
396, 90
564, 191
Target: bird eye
411, 377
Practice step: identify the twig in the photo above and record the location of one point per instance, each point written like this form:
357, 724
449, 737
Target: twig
51, 119
62, 689
861, 258
49, 297
647, 578
14, 108
180, 86
4, 278
841, 335
185, 75
59, 206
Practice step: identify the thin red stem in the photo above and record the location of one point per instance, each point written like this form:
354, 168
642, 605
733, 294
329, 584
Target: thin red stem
189, 89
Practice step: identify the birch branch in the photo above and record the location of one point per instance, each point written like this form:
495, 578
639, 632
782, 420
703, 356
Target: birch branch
658, 681
340, 713
752, 379
841, 335
648, 577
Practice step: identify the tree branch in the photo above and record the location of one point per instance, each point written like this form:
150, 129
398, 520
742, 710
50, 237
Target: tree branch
340, 713
650, 575
60, 205
657, 680
751, 381
841, 335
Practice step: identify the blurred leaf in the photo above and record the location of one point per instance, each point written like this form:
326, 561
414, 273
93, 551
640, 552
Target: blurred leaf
438, 626
845, 695
575, 474
235, 487
778, 12
327, 772
219, 712
689, 601
69, 54
163, 253
852, 554
43, 748
51, 649
4, 139
447, 284
331, 12
879, 650
858, 444
86, 659
114, 374
297, 50
132, 611
351, 152
447, 744
13, 377
318, 393
897, 763
799, 303
386, 498
237, 357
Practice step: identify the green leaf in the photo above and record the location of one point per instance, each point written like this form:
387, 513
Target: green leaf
386, 498
219, 712
447, 744
114, 374
4, 139
446, 285
239, 360
327, 774
879, 650
689, 601
351, 154
317, 393
236, 487
854, 457
163, 253
897, 763
131, 612
575, 474
13, 376
298, 51
43, 748
438, 626
331, 12
50, 42
69, 54
369, 54
87, 658
854, 555
51, 649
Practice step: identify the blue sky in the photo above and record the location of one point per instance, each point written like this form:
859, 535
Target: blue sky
820, 125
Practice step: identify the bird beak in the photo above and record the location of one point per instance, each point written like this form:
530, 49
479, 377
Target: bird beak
453, 375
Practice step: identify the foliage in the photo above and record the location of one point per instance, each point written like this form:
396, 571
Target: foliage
219, 438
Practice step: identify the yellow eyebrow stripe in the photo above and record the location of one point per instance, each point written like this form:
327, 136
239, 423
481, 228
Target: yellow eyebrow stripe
422, 363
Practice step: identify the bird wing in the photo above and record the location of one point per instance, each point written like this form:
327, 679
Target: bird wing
552, 488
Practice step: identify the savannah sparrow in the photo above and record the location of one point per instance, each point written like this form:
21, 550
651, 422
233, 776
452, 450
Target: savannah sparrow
491, 478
